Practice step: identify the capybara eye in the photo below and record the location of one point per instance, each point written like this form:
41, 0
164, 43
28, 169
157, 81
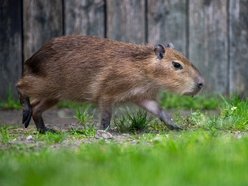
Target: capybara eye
177, 65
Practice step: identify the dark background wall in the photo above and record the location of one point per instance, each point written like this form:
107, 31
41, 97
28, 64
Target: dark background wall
212, 33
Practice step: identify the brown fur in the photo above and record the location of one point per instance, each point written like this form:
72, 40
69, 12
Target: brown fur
102, 71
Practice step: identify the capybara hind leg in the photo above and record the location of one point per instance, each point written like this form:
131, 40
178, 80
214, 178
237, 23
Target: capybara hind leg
27, 109
38, 108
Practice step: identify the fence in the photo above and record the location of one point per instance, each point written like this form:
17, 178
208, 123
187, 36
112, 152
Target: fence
212, 33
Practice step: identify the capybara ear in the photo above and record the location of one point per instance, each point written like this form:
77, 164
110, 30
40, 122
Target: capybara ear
159, 51
169, 45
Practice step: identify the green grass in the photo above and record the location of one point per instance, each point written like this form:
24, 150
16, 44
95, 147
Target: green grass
11, 102
186, 158
132, 122
4, 137
167, 100
205, 102
212, 150
84, 117
73, 105
233, 116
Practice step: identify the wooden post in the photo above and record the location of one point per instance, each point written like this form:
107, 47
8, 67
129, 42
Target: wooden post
208, 42
238, 36
85, 17
42, 21
167, 22
10, 46
126, 20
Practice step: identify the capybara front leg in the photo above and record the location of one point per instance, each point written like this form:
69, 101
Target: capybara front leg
154, 108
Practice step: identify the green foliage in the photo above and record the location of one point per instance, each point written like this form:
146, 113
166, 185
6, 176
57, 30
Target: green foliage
156, 126
10, 103
132, 122
86, 132
51, 138
213, 146
4, 135
72, 105
232, 115
185, 158
85, 117
169, 101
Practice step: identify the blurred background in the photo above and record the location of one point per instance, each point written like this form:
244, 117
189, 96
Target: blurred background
212, 33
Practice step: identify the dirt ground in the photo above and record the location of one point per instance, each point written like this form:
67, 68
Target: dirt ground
55, 118
63, 120
60, 120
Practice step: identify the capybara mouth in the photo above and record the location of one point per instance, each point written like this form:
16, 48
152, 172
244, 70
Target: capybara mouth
192, 93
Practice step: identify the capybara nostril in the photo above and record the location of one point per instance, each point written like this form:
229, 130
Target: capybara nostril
200, 83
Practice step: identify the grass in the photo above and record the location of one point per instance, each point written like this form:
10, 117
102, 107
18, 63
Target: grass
212, 150
11, 102
205, 102
132, 122
73, 105
4, 137
84, 117
170, 101
186, 158
233, 116
135, 122
167, 100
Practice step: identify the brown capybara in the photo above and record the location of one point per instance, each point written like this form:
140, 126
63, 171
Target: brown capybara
103, 72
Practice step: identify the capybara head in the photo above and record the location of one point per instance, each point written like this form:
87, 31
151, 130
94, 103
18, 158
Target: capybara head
174, 72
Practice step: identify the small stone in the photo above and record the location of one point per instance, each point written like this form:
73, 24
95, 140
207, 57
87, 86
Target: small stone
158, 138
102, 134
238, 134
62, 114
29, 138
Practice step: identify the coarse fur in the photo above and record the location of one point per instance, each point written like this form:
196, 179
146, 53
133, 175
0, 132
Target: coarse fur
103, 72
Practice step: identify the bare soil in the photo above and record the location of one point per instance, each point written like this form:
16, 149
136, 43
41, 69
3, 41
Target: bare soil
62, 120
58, 118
